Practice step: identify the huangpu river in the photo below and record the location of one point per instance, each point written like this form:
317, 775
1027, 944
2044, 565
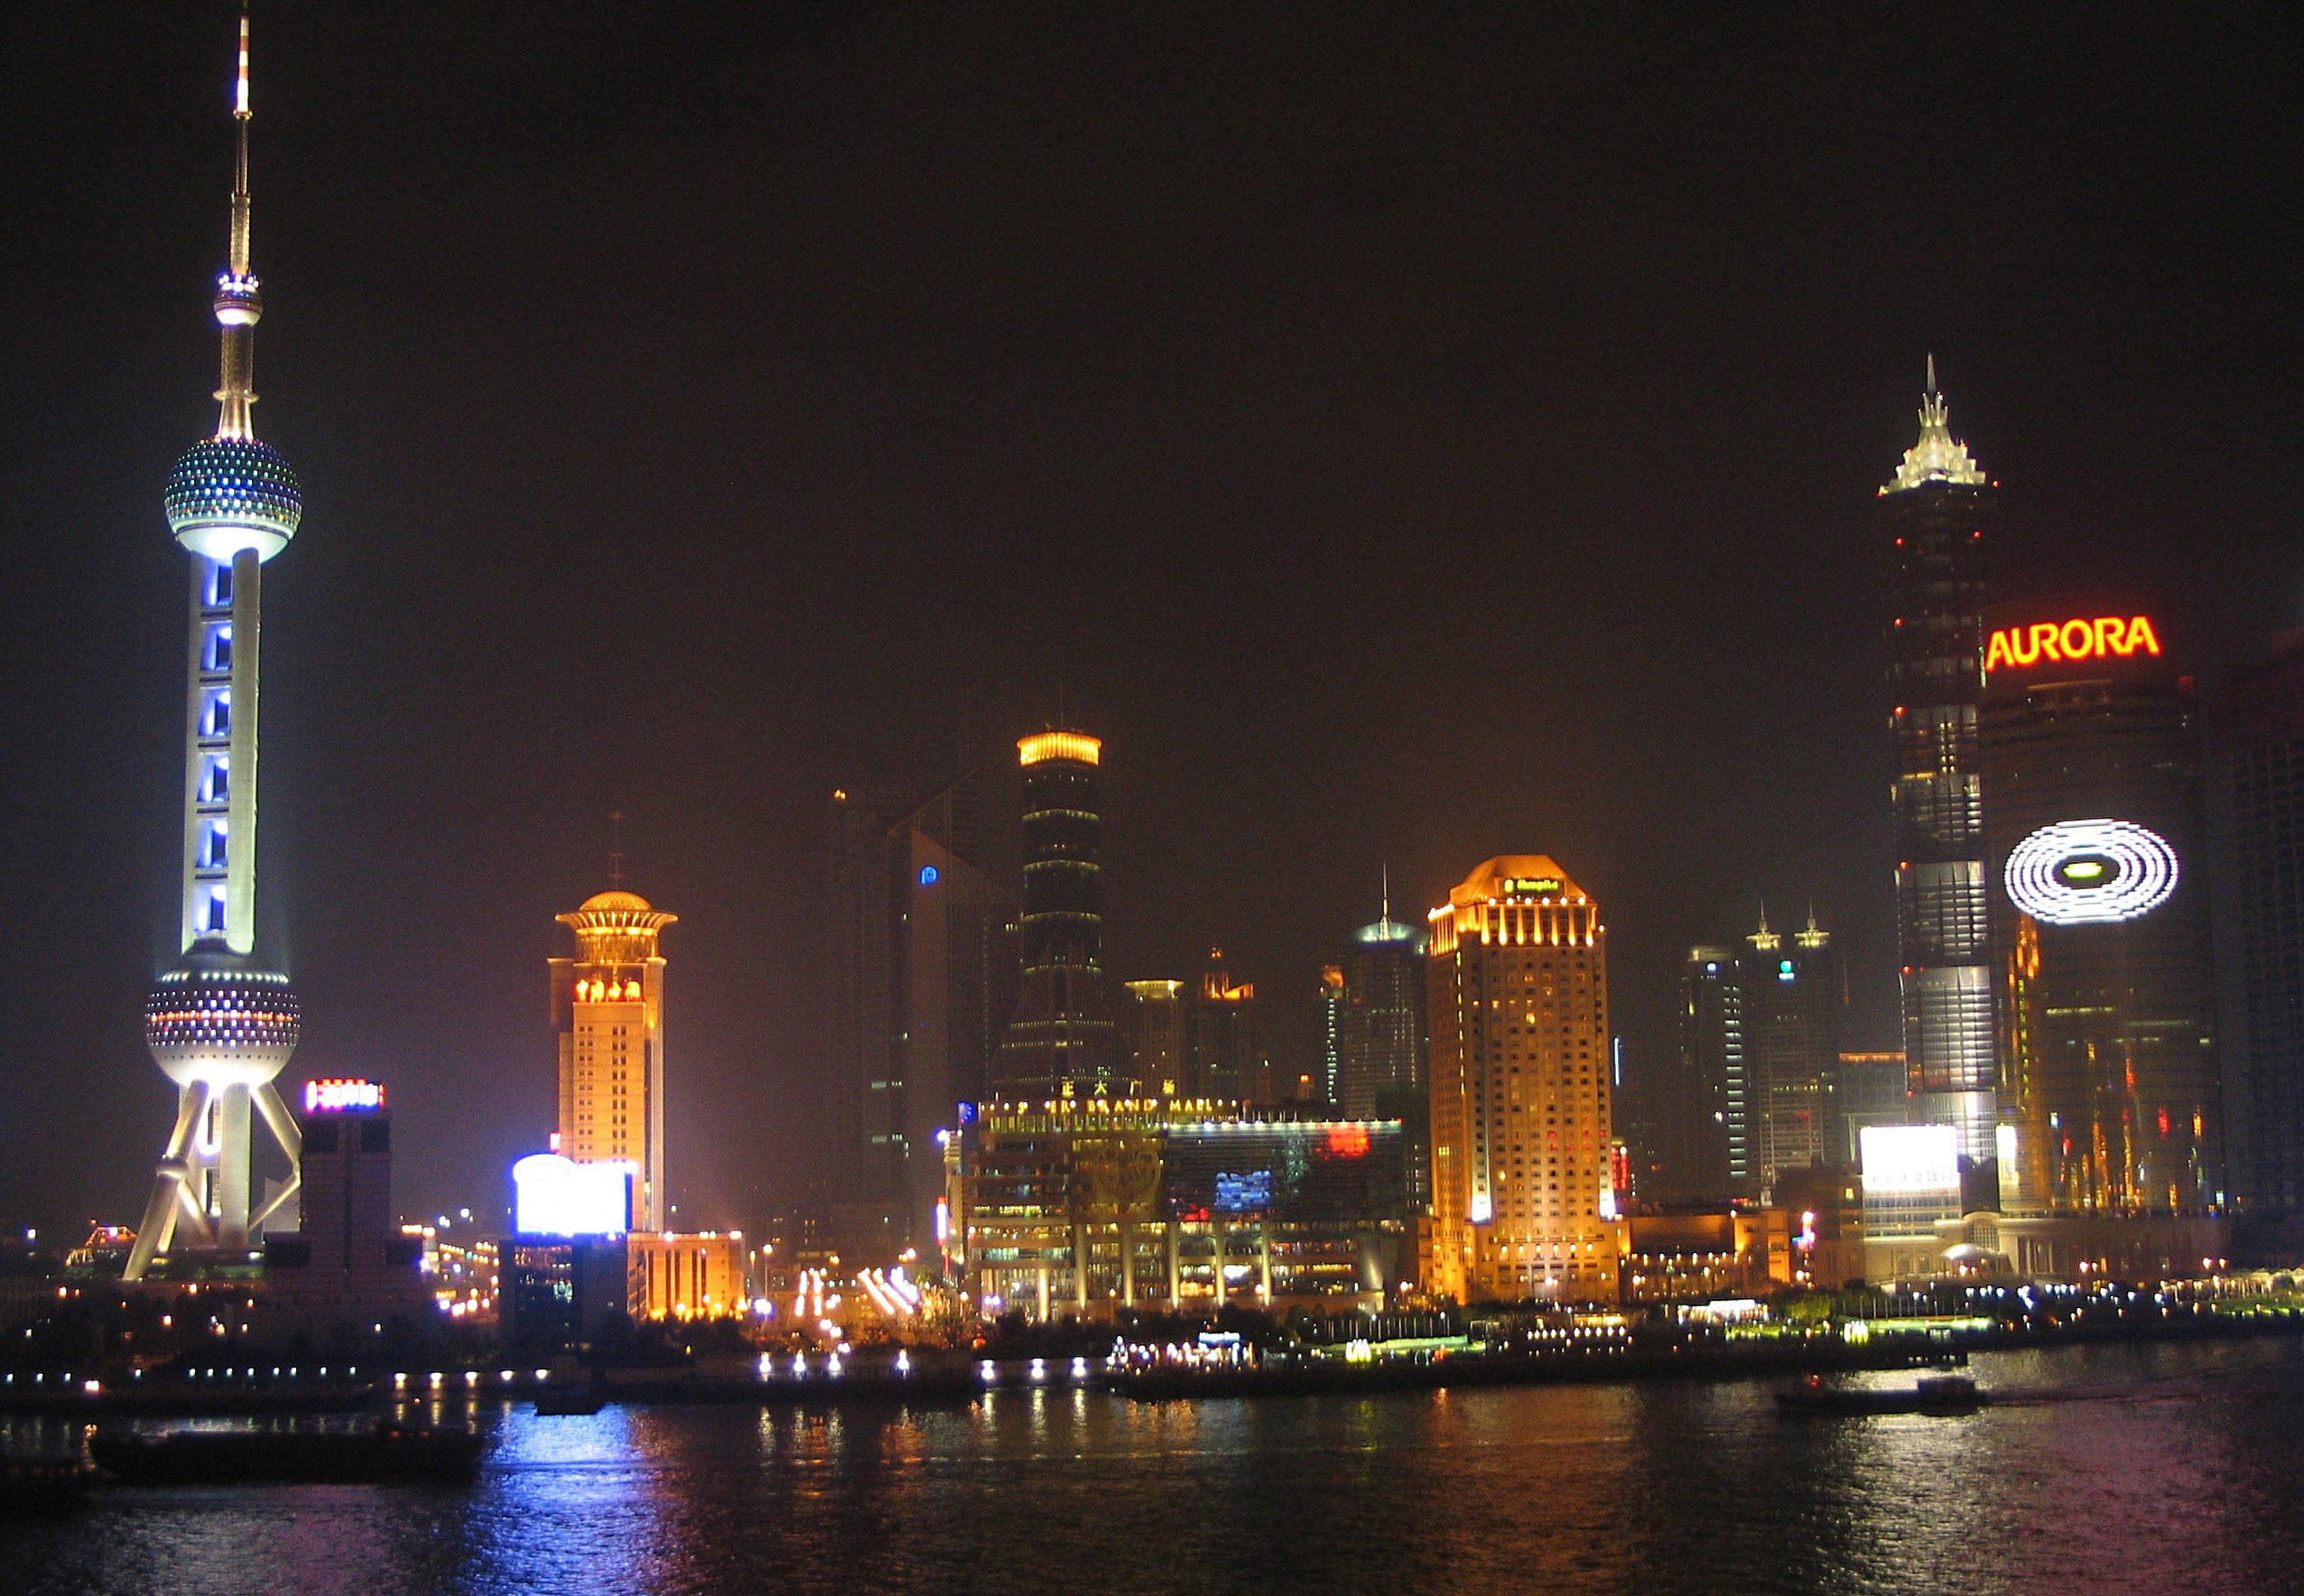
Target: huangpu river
2139, 1469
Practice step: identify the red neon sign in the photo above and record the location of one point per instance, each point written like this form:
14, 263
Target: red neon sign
335, 1096
2107, 636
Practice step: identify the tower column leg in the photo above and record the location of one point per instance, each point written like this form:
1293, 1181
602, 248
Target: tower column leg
290, 1140
281, 1125
232, 1173
159, 1227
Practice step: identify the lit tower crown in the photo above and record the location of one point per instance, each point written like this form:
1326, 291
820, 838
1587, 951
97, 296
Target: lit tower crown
221, 1028
1938, 456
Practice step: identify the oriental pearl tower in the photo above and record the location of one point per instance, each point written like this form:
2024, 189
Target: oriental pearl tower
220, 1026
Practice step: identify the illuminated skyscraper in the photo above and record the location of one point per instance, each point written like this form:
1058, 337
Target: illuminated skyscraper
1062, 1038
1523, 1190
1331, 1031
2100, 913
607, 1011
1937, 511
220, 1026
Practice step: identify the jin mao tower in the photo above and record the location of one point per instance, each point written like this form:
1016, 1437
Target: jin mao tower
1936, 511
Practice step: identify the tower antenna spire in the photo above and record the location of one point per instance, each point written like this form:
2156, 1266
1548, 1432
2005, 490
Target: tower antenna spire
1387, 869
616, 848
1930, 384
237, 303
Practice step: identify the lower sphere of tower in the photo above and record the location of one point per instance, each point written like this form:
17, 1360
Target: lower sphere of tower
211, 1019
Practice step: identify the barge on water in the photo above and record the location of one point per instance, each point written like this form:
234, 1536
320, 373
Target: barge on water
383, 1454
1937, 1395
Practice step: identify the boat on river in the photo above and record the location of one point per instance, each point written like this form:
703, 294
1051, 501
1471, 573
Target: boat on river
44, 1484
383, 1454
569, 1401
1937, 1396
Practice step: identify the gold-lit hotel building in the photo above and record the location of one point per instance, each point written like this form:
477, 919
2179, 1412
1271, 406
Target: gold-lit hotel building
608, 1011
1522, 1191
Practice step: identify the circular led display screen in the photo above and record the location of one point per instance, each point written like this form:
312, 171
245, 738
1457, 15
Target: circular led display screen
2091, 872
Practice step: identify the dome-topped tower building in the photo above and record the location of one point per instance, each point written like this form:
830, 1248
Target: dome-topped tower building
607, 1015
221, 1027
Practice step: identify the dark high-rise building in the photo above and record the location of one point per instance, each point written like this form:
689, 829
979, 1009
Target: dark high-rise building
2100, 913
858, 916
1704, 1131
924, 978
1383, 1020
1938, 513
1873, 1090
348, 1257
953, 987
1156, 1038
1061, 1039
1792, 1001
2257, 796
1226, 1063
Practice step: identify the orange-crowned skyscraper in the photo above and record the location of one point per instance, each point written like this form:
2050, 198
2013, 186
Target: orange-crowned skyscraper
608, 1010
1523, 1201
1062, 1039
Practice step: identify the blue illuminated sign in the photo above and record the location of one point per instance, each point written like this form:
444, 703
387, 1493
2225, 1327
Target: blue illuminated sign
930, 874
1240, 1193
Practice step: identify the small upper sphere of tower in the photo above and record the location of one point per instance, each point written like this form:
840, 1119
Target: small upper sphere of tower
237, 302
630, 901
230, 494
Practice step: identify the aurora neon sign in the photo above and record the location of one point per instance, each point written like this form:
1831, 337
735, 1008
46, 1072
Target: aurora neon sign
2107, 636
2091, 872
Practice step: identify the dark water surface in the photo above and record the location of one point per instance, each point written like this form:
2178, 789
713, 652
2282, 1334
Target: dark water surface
2170, 1469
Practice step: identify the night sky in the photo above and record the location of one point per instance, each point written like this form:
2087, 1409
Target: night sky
1404, 437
